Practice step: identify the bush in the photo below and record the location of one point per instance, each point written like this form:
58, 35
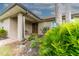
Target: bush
62, 40
45, 29
33, 43
32, 37
3, 33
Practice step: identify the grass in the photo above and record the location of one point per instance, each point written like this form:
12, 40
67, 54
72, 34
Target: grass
6, 51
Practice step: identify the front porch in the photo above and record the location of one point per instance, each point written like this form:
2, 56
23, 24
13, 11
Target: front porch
21, 26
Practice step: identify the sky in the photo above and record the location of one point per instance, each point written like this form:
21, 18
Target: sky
43, 10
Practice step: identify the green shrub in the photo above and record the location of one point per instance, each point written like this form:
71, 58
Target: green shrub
45, 29
3, 33
33, 43
62, 40
32, 37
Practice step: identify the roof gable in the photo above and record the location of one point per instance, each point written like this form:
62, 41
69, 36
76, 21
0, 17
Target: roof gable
21, 6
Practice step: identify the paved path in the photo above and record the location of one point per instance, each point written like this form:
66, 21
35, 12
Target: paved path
7, 41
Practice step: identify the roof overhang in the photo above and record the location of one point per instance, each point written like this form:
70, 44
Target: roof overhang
15, 9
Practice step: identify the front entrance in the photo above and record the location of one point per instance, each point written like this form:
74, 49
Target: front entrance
34, 27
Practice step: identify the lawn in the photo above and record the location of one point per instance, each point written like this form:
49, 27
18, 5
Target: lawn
6, 51
9, 49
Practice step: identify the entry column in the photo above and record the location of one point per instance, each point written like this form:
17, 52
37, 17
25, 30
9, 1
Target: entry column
20, 26
24, 26
58, 13
68, 12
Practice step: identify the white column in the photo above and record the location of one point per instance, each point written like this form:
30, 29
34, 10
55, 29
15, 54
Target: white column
68, 12
58, 13
24, 25
20, 27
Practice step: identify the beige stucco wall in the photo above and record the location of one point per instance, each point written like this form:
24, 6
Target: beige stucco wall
1, 24
28, 27
41, 25
13, 29
6, 25
11, 26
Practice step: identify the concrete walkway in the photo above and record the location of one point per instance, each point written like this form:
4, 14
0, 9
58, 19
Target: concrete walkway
7, 41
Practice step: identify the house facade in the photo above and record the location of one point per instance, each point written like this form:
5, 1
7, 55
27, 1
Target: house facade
19, 21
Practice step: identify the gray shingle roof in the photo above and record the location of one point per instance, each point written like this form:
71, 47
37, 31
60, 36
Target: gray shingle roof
22, 6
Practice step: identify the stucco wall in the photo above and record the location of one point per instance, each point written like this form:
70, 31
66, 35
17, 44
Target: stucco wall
42, 25
28, 27
13, 29
11, 26
6, 25
1, 24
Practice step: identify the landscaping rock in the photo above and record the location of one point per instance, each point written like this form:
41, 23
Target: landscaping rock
27, 51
